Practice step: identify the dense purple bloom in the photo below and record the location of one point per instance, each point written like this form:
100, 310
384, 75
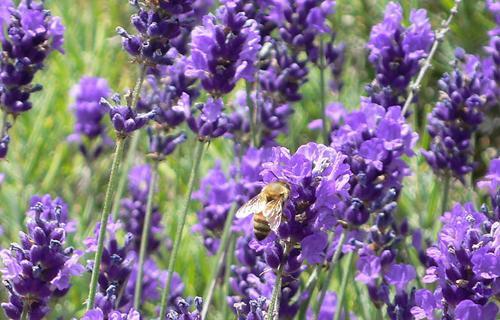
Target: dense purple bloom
182, 310
98, 314
152, 284
491, 182
116, 266
87, 108
170, 91
126, 120
396, 51
300, 22
32, 33
89, 114
465, 265
157, 23
40, 267
161, 144
212, 122
4, 15
273, 118
452, 122
375, 140
224, 50
283, 76
216, 194
255, 310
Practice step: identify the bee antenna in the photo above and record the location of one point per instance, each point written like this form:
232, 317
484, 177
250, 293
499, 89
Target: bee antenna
274, 174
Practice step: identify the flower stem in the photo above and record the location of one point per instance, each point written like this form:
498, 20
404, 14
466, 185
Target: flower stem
335, 259
227, 274
446, 193
134, 141
415, 85
207, 297
132, 147
253, 114
274, 307
24, 314
324, 127
309, 287
104, 221
198, 153
343, 285
145, 236
138, 86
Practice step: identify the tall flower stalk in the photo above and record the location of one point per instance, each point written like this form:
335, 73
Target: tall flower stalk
145, 236
198, 155
104, 221
125, 121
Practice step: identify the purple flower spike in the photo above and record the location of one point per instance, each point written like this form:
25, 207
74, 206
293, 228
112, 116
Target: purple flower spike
223, 50
465, 265
455, 118
126, 120
212, 121
157, 23
32, 33
161, 146
396, 52
40, 268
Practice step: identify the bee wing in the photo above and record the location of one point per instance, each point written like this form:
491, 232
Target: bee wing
254, 205
273, 213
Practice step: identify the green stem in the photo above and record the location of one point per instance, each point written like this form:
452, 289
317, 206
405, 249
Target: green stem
129, 159
253, 114
341, 292
145, 236
227, 274
380, 314
198, 153
274, 308
24, 314
104, 222
415, 85
207, 297
329, 276
446, 192
324, 127
309, 287
138, 86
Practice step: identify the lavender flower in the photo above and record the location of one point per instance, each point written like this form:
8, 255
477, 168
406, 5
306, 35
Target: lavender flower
465, 266
126, 120
328, 309
157, 22
375, 140
395, 52
183, 312
4, 15
212, 122
33, 33
169, 92
300, 22
40, 268
453, 121
223, 51
98, 314
152, 283
491, 182
89, 113
161, 145
116, 266
284, 76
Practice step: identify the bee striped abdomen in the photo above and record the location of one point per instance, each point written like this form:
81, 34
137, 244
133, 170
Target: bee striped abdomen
261, 227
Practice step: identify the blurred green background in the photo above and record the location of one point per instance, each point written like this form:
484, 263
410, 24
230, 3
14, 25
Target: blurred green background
41, 161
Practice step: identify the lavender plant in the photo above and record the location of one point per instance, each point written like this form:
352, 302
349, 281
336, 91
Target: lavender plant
238, 77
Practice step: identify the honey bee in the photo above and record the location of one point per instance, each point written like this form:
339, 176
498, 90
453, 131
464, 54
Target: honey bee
267, 208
